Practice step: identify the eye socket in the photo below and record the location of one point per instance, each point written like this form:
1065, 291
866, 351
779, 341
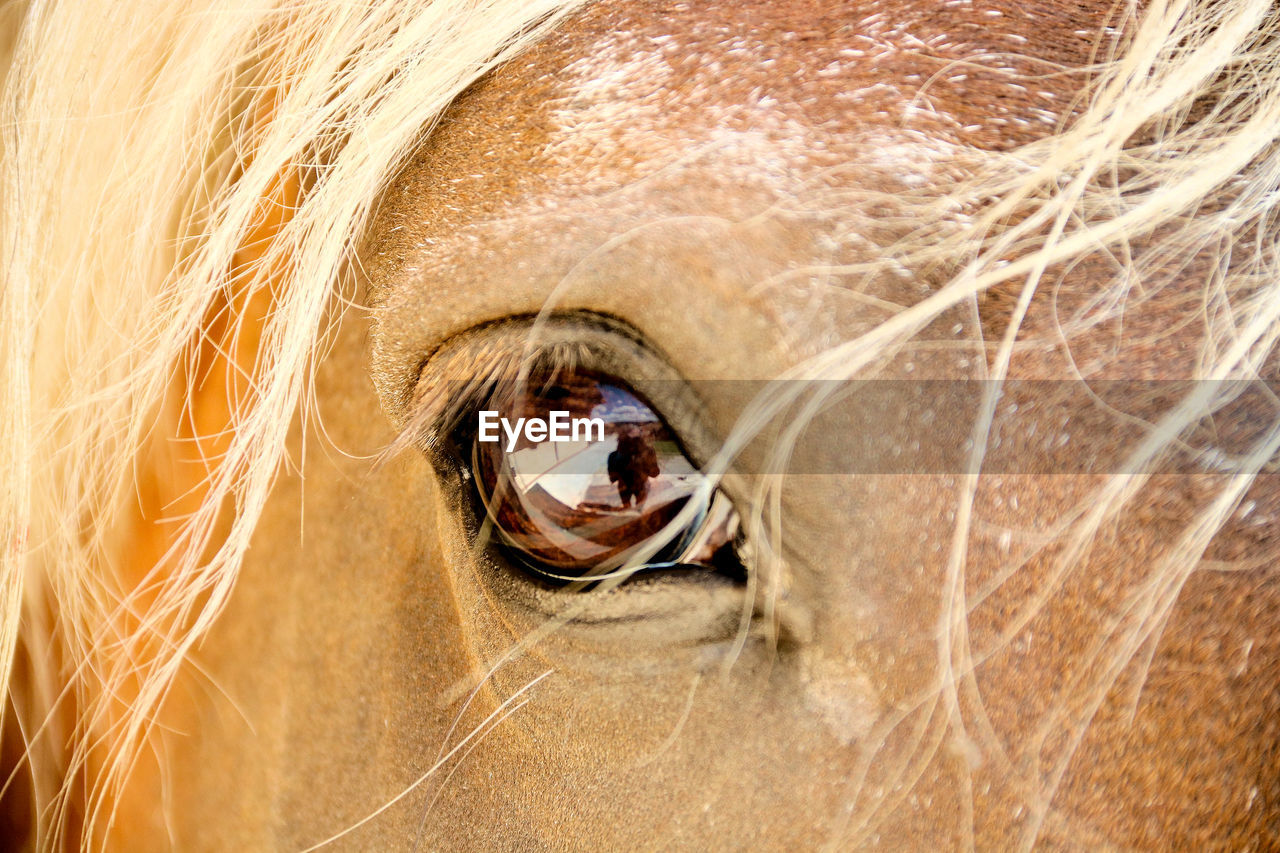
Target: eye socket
583, 481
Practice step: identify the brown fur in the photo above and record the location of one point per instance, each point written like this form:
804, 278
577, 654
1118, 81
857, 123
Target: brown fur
332, 681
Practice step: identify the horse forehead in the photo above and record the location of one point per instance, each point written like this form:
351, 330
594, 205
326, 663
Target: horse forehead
754, 95
711, 107
813, 72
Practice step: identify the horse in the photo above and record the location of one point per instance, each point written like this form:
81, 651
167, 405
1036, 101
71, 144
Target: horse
950, 325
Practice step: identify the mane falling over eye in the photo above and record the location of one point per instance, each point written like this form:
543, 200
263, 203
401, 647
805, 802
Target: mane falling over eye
268, 584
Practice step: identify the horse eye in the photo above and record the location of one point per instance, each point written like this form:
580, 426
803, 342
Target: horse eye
582, 480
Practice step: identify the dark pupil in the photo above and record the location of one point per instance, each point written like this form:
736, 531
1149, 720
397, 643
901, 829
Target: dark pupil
576, 507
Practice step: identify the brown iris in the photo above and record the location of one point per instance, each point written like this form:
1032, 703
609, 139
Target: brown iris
573, 509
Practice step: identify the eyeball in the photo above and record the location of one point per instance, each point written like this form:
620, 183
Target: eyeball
578, 474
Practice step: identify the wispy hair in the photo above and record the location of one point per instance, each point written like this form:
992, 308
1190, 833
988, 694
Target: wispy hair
181, 181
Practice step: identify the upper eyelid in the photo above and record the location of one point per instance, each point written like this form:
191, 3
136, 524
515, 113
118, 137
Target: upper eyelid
468, 368
463, 377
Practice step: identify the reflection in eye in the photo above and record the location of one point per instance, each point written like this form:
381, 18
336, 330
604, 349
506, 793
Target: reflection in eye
577, 509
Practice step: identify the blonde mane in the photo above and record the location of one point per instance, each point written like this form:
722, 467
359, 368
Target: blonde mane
181, 181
